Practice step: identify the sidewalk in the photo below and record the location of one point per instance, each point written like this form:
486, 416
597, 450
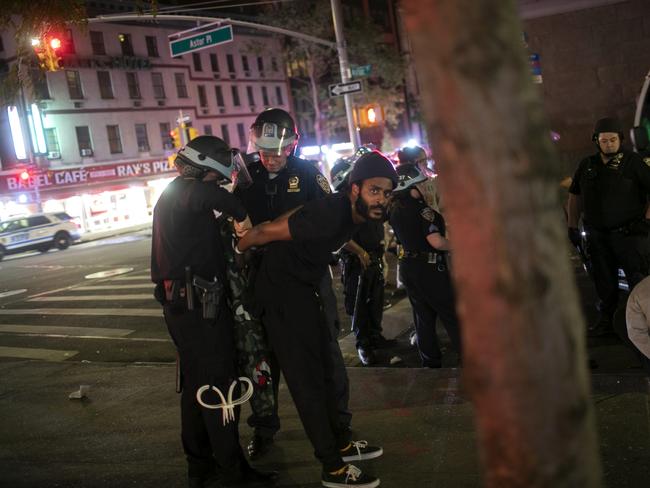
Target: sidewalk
95, 235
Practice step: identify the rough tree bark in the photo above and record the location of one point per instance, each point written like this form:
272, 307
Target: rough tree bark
525, 366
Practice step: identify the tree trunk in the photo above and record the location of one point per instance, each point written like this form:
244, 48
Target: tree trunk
315, 101
525, 366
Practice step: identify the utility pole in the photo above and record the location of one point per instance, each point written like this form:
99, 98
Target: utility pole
342, 49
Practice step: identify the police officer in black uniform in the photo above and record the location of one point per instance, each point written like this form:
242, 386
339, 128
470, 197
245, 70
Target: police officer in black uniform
424, 265
613, 186
362, 275
188, 268
298, 251
282, 182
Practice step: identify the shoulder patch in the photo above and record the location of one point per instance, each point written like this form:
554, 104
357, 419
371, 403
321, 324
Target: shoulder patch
646, 161
323, 183
428, 214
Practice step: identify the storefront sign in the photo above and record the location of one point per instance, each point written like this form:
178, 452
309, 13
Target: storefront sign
121, 62
86, 175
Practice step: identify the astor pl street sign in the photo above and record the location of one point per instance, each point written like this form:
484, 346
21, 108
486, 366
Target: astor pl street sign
200, 41
345, 88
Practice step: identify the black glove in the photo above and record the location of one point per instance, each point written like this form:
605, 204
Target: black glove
574, 236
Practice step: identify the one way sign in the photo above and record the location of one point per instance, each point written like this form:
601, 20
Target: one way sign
341, 89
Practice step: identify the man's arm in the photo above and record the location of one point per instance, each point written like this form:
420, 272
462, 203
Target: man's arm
359, 251
638, 321
438, 242
573, 211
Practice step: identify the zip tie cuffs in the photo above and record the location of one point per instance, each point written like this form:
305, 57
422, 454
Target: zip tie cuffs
228, 406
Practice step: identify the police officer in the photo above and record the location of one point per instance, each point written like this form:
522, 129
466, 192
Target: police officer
282, 182
424, 265
188, 269
298, 251
613, 187
417, 156
363, 276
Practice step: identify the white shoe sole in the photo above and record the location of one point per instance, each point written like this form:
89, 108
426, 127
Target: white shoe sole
363, 457
372, 484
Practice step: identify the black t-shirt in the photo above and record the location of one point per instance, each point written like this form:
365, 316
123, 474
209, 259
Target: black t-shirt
370, 236
297, 183
613, 194
319, 228
412, 220
185, 230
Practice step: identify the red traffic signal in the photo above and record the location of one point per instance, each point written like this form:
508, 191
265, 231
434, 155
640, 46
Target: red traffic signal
24, 175
55, 43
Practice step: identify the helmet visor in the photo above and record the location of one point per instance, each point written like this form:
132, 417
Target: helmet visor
240, 176
273, 139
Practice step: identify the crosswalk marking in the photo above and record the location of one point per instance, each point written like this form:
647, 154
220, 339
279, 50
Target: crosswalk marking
35, 353
148, 286
56, 330
93, 298
116, 312
132, 278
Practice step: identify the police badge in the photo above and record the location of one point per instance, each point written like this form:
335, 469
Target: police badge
323, 183
294, 184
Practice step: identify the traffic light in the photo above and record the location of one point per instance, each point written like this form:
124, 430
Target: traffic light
371, 115
175, 135
24, 175
48, 52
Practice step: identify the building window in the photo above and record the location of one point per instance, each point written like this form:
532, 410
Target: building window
68, 42
165, 138
196, 59
158, 85
203, 100
214, 63
2, 46
219, 95
181, 88
152, 46
278, 95
260, 65
274, 64
83, 141
97, 43
141, 137
125, 42
207, 130
74, 84
241, 133
251, 98
244, 63
265, 97
133, 84
235, 96
105, 86
39, 82
230, 61
114, 141
225, 135
52, 143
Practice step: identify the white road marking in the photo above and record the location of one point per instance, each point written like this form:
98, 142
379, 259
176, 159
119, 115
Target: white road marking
149, 286
133, 277
115, 312
77, 331
108, 273
11, 293
93, 298
34, 353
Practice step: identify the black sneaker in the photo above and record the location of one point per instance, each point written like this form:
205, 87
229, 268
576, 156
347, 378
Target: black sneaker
359, 451
349, 476
367, 356
259, 446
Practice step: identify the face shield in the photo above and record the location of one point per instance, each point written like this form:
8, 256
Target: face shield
228, 165
240, 176
273, 139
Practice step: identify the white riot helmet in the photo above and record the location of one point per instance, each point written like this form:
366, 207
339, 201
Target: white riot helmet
409, 175
274, 131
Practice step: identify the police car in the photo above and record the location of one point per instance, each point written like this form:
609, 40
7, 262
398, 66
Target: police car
37, 232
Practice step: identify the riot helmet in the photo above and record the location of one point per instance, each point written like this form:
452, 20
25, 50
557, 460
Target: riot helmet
608, 124
209, 153
409, 175
339, 173
412, 155
274, 131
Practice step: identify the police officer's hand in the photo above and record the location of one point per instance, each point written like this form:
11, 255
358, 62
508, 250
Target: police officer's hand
574, 236
242, 227
364, 259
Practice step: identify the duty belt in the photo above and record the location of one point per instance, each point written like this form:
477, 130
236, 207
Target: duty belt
430, 257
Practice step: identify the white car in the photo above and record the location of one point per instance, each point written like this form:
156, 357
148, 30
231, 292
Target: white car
37, 232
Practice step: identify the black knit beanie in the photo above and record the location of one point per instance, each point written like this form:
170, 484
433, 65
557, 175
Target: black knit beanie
373, 165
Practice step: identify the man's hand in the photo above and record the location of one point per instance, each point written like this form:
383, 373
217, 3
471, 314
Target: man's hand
241, 228
574, 236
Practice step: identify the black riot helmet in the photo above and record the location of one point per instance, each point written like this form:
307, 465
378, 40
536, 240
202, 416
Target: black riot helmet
274, 131
209, 153
409, 175
411, 155
607, 124
339, 173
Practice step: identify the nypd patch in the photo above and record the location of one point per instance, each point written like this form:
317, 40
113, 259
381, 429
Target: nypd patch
323, 183
428, 214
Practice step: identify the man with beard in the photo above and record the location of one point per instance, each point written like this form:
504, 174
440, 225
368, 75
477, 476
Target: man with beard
299, 247
613, 186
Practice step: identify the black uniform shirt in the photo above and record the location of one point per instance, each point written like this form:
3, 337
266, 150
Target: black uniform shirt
412, 220
185, 230
297, 183
613, 194
370, 236
317, 229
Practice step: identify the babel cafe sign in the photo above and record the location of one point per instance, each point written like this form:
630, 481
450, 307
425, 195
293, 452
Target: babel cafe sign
56, 179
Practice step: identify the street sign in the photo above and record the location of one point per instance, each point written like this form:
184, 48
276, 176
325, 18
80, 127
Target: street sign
345, 88
200, 41
361, 71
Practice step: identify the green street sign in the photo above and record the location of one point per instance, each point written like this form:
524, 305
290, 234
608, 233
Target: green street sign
200, 41
359, 71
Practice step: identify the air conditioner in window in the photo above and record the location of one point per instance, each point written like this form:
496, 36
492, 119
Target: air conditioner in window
54, 155
137, 103
86, 152
161, 103
222, 110
247, 74
78, 104
232, 75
